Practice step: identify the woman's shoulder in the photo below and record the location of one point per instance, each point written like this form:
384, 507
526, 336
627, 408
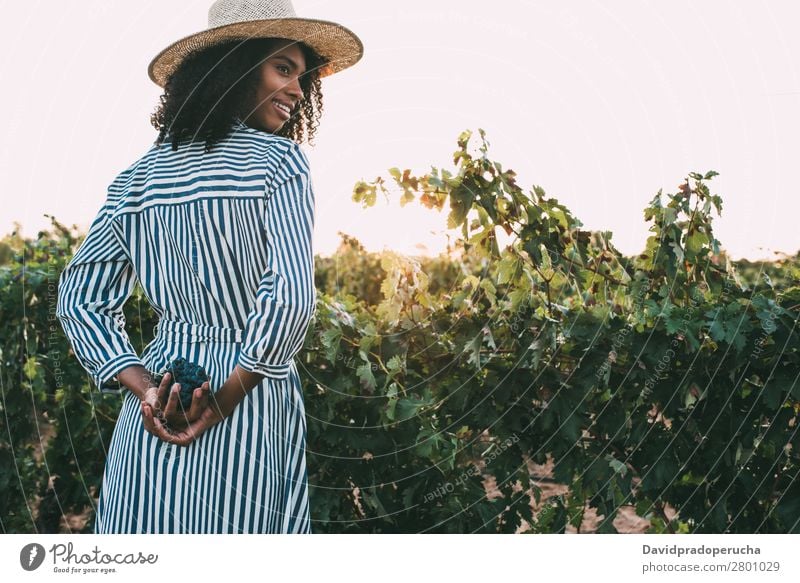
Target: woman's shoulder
294, 162
238, 149
289, 152
247, 154
296, 159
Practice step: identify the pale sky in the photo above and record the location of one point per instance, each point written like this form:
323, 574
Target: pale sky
599, 103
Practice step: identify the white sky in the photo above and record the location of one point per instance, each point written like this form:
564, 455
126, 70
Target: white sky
600, 103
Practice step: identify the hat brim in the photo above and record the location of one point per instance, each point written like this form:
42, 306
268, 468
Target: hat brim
340, 46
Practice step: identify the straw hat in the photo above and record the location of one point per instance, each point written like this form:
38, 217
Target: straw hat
245, 19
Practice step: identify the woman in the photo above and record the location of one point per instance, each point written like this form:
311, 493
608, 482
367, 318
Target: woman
215, 222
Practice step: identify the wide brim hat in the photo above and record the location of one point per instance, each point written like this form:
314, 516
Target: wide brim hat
245, 19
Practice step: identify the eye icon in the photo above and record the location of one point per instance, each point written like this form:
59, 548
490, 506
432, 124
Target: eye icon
31, 556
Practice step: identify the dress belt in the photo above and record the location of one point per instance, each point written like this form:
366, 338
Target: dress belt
199, 332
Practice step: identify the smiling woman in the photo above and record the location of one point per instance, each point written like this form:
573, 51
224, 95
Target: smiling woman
221, 244
279, 91
254, 80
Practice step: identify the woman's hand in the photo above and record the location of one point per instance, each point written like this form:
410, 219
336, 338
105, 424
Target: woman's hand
153, 423
174, 414
209, 417
164, 421
151, 398
218, 406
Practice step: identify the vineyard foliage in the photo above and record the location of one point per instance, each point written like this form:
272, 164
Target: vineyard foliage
666, 382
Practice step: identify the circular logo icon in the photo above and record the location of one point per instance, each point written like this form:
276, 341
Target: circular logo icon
31, 556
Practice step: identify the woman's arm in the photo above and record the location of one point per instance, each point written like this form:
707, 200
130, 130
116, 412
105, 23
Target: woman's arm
137, 379
286, 298
235, 389
92, 291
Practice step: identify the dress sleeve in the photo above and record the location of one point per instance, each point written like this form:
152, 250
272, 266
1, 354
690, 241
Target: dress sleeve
92, 290
286, 297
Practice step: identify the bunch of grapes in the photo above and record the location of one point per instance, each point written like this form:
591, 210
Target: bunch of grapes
190, 376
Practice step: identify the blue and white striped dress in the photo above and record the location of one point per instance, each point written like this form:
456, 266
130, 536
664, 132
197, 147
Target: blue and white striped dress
221, 243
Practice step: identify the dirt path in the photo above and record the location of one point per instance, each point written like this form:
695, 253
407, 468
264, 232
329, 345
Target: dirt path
626, 521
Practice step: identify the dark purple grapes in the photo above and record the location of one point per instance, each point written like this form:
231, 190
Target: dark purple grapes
190, 376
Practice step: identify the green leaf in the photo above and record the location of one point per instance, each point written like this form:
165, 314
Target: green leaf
364, 193
695, 242
396, 364
473, 350
408, 408
364, 373
30, 367
618, 466
331, 339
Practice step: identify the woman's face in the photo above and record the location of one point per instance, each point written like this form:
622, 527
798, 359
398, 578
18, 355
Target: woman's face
278, 91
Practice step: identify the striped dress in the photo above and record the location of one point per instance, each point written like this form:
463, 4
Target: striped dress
221, 244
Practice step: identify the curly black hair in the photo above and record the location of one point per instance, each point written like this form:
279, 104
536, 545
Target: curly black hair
210, 89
